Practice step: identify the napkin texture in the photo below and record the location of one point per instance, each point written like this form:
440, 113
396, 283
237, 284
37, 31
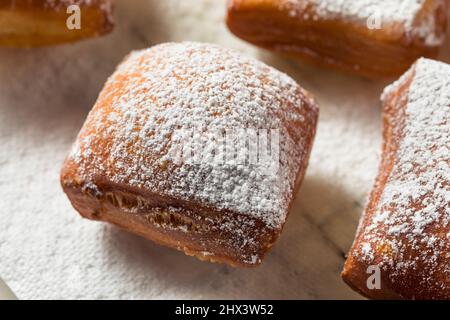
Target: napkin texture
47, 251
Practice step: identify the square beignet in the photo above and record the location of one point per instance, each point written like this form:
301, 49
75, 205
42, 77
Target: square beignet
173, 150
25, 23
404, 234
369, 37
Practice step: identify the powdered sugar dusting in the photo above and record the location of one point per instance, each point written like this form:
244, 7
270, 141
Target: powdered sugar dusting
387, 11
191, 85
410, 226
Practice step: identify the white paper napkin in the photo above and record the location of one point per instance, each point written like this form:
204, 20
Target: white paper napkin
47, 251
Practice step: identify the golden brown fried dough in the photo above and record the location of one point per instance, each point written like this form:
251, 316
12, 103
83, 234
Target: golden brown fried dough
25, 23
404, 235
369, 37
217, 201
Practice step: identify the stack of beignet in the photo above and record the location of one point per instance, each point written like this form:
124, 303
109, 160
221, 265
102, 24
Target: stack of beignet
405, 231
369, 37
217, 204
25, 23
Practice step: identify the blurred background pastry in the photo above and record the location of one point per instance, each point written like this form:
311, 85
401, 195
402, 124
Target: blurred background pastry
25, 23
369, 37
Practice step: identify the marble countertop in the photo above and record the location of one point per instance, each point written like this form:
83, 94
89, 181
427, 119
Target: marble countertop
47, 251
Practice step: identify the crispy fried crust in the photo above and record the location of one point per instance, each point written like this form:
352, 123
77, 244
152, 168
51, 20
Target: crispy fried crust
190, 228
169, 202
38, 23
300, 29
405, 229
355, 270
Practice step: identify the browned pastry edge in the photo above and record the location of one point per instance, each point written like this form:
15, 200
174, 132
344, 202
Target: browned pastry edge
355, 271
39, 23
409, 284
157, 206
157, 223
114, 204
339, 44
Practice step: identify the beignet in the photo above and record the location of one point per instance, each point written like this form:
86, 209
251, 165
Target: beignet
369, 37
405, 230
35, 23
214, 201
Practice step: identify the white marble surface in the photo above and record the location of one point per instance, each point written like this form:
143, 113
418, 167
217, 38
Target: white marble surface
47, 251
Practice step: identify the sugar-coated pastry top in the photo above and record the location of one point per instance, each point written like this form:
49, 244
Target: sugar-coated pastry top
140, 118
410, 227
386, 11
